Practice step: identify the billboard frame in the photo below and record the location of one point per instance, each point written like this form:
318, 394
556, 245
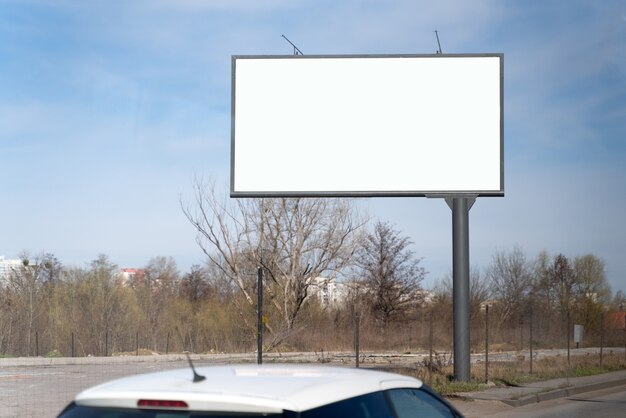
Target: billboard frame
370, 193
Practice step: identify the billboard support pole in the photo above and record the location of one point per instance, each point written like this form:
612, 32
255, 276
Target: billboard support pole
460, 283
259, 316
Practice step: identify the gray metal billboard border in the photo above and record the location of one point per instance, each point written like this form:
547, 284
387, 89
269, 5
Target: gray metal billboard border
372, 193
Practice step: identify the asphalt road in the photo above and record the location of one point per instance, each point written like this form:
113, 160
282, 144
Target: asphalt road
607, 403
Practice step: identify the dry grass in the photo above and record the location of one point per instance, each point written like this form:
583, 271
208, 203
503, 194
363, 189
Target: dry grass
514, 373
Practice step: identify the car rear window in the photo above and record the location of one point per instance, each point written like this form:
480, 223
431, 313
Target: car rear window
372, 405
78, 411
416, 403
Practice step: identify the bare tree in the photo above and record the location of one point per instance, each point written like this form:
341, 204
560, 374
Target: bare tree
591, 290
441, 306
590, 279
390, 273
294, 240
90, 305
195, 285
562, 281
26, 284
101, 301
480, 291
544, 297
154, 291
511, 279
618, 300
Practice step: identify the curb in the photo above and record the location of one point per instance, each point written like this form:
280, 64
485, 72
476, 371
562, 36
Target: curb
562, 393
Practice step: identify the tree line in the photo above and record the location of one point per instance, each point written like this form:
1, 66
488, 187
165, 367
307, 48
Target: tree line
301, 245
550, 293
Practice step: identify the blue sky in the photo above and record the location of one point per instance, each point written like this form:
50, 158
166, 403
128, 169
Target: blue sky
108, 109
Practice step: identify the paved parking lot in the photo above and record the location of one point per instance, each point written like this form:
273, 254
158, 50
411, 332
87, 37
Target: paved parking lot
41, 387
42, 390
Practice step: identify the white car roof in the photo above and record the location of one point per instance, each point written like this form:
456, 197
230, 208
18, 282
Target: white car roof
246, 388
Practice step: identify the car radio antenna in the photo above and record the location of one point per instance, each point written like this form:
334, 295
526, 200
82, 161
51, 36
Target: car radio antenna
196, 377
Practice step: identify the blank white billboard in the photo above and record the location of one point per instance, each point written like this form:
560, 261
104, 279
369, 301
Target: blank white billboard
385, 125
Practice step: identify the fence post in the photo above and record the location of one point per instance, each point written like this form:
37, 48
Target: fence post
521, 332
136, 343
430, 348
601, 336
530, 326
357, 337
568, 338
486, 343
73, 345
167, 344
36, 344
567, 372
259, 334
106, 344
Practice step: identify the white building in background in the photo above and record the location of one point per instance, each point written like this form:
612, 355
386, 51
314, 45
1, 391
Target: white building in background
6, 266
128, 276
426, 297
331, 293
328, 291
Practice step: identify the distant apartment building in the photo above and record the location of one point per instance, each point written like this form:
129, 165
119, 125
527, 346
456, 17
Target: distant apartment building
331, 293
127, 276
6, 266
426, 297
328, 291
